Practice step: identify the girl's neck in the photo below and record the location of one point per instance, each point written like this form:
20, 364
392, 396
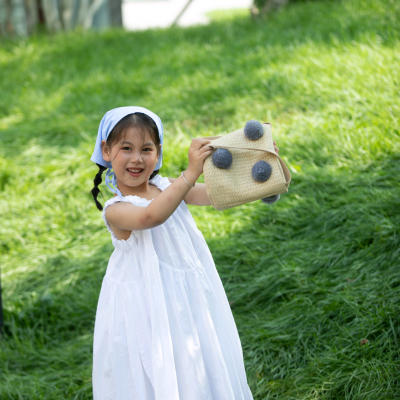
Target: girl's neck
146, 190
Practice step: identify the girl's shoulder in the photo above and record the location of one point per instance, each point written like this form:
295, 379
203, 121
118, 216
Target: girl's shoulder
162, 182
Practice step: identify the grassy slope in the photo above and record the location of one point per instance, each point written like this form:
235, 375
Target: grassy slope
309, 276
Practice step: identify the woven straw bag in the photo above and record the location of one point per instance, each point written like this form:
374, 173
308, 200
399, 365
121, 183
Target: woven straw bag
227, 188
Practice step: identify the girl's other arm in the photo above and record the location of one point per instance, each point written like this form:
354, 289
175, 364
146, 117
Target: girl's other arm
126, 216
197, 196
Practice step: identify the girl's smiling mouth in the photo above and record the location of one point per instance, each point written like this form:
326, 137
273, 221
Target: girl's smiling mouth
134, 171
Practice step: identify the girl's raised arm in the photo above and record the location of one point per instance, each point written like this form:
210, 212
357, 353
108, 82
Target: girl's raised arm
196, 196
126, 216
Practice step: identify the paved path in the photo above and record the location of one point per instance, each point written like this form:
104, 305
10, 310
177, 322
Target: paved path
144, 14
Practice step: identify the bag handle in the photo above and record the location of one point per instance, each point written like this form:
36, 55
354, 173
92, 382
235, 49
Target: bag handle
236, 147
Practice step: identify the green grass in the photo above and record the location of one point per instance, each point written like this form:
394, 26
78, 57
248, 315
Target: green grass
309, 276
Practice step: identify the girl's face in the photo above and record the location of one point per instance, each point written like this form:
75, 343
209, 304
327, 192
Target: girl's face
133, 159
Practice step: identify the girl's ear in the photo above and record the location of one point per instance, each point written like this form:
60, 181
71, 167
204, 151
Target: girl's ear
105, 151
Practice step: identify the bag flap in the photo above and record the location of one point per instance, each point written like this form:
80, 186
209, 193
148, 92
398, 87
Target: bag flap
238, 140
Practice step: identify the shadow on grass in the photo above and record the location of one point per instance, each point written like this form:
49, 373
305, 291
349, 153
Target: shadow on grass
312, 276
56, 300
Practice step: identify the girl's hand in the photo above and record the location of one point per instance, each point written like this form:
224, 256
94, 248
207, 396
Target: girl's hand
199, 150
276, 148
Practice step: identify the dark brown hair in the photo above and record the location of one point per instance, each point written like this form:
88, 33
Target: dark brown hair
144, 124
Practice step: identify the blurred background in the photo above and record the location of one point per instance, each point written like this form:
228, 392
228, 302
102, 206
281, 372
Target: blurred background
24, 17
313, 280
142, 14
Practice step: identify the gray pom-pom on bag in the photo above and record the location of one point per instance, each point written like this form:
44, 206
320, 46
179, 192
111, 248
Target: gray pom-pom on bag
271, 199
253, 130
261, 171
222, 158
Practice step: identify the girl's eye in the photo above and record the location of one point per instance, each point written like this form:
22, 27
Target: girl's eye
147, 148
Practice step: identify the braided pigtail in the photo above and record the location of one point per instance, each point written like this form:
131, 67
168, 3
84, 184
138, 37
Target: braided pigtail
97, 180
154, 173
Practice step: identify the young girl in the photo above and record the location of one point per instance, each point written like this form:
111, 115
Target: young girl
164, 329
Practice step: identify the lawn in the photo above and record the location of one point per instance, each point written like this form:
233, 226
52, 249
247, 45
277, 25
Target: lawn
309, 277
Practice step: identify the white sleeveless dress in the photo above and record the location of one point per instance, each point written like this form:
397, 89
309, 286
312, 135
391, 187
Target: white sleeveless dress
164, 329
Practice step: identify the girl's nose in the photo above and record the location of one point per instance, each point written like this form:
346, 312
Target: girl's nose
136, 157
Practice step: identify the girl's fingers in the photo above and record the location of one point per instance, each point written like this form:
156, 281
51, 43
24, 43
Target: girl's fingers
205, 148
205, 154
198, 143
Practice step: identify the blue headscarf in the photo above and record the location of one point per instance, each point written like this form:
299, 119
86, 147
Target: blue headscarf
110, 119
